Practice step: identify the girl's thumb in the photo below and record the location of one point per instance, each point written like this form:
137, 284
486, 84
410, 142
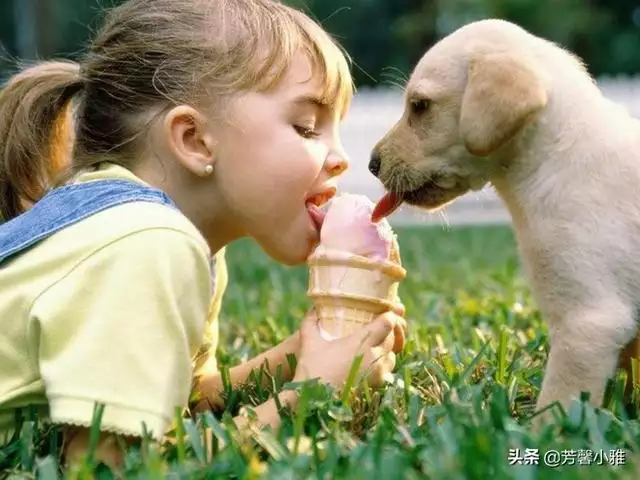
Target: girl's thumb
377, 331
309, 326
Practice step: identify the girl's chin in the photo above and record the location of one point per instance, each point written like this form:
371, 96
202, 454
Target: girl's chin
290, 255
292, 247
292, 252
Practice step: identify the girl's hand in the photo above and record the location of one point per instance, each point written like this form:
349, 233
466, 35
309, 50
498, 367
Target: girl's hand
331, 361
400, 330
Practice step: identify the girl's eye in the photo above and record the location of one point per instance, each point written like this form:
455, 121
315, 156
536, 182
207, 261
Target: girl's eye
306, 132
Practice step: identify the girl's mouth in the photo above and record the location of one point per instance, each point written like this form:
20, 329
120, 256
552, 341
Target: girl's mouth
315, 202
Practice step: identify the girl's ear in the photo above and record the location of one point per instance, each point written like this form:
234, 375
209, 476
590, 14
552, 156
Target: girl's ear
189, 139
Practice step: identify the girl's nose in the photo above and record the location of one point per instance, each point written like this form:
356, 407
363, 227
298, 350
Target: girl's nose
336, 164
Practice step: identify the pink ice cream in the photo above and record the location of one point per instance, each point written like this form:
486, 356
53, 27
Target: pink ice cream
348, 228
355, 270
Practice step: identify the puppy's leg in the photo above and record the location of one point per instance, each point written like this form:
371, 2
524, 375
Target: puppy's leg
585, 347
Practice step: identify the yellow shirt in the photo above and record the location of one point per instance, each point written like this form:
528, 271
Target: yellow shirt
111, 310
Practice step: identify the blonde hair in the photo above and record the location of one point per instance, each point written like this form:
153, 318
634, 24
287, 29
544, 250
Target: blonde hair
148, 56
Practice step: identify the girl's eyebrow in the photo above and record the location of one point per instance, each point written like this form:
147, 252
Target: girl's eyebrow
311, 100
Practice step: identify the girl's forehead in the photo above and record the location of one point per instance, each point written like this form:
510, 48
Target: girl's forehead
305, 80
304, 69
301, 74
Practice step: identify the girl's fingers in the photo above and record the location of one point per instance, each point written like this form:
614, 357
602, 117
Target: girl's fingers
399, 338
377, 331
399, 309
385, 364
402, 323
309, 325
389, 343
390, 361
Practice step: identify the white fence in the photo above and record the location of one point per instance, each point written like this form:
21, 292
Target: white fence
373, 112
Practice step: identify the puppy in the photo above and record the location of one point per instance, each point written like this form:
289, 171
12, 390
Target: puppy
494, 104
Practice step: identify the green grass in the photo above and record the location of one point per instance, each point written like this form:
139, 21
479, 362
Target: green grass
464, 387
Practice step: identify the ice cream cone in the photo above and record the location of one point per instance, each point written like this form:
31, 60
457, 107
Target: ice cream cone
349, 291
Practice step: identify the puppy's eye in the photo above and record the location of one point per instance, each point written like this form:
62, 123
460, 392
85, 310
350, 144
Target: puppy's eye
419, 106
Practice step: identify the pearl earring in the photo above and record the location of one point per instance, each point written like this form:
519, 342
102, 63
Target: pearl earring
208, 169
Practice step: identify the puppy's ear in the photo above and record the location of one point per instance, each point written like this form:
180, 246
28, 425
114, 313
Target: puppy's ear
503, 93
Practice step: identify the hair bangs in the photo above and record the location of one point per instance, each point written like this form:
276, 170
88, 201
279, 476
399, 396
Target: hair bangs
284, 34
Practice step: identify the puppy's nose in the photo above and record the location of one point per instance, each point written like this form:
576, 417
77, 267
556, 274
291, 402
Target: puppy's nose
374, 163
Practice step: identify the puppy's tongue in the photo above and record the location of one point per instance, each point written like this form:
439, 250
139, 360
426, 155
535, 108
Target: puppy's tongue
386, 206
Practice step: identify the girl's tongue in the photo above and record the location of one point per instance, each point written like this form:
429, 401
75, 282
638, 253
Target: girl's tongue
316, 214
388, 204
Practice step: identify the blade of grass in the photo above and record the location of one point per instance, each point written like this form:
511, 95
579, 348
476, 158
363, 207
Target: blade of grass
48, 468
301, 415
94, 434
472, 365
195, 439
502, 356
180, 436
351, 379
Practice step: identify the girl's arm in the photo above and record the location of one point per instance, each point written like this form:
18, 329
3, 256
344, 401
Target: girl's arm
109, 448
328, 361
210, 386
267, 413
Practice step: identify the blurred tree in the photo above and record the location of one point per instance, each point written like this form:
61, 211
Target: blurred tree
615, 47
34, 28
7, 35
385, 38
414, 24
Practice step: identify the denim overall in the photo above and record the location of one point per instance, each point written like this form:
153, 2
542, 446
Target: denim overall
67, 205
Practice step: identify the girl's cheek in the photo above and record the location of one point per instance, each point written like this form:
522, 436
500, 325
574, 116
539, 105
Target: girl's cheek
318, 150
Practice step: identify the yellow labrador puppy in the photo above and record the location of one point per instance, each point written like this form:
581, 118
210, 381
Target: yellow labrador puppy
492, 103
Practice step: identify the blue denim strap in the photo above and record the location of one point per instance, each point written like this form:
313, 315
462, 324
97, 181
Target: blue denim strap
64, 206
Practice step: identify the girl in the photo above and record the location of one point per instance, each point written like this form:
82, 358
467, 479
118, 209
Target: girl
195, 122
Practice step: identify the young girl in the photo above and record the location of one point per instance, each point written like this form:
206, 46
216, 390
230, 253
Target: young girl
189, 124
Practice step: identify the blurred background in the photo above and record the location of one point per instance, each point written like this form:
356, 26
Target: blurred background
385, 39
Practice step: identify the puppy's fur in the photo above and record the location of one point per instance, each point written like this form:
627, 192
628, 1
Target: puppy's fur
492, 103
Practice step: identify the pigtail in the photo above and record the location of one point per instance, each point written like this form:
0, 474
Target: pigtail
35, 132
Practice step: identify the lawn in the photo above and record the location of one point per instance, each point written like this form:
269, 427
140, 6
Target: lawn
458, 407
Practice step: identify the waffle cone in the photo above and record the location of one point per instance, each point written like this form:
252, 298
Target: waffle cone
349, 291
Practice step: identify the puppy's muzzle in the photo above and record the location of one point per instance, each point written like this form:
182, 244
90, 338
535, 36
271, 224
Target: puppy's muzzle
374, 163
